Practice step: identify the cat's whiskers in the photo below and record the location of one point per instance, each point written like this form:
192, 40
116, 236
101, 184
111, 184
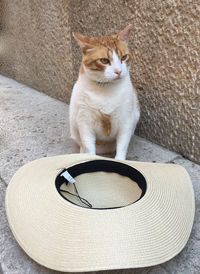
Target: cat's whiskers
102, 81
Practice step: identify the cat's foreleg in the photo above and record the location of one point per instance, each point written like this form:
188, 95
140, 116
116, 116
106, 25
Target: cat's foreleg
124, 135
123, 140
88, 140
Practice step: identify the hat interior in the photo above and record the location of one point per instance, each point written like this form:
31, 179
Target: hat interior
102, 184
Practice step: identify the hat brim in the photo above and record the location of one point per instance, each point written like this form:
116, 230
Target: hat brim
65, 237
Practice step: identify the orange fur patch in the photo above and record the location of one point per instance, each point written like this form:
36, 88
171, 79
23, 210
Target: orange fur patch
102, 47
105, 118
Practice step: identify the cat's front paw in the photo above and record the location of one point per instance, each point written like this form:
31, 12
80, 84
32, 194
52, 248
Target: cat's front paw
120, 157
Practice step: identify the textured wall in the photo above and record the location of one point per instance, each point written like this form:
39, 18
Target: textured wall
165, 43
36, 45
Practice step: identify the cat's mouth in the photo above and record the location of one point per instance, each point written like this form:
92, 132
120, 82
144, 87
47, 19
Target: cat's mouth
118, 77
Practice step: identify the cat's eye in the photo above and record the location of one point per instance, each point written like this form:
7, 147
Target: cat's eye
105, 61
124, 57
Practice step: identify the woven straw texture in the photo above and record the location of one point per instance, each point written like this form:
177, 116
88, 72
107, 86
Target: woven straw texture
67, 237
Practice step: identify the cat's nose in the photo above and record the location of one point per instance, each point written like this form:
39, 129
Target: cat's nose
117, 71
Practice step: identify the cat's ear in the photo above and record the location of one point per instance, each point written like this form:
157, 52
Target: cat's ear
124, 34
83, 41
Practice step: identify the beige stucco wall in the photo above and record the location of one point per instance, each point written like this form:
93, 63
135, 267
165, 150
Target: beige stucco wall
165, 44
36, 45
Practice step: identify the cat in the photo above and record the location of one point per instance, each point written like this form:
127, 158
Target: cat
104, 109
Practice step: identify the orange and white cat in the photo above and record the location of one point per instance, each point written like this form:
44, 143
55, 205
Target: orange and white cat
104, 109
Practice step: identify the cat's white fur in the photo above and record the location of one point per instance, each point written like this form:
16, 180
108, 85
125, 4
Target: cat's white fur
103, 92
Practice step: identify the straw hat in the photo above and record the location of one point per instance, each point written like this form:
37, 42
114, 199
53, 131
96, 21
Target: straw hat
84, 213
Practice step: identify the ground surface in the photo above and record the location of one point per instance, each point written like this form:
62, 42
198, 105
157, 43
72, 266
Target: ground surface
33, 125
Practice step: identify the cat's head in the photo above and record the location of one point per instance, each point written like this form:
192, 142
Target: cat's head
105, 58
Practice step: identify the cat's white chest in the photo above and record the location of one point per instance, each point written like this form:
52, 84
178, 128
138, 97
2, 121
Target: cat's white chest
91, 104
105, 103
99, 105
